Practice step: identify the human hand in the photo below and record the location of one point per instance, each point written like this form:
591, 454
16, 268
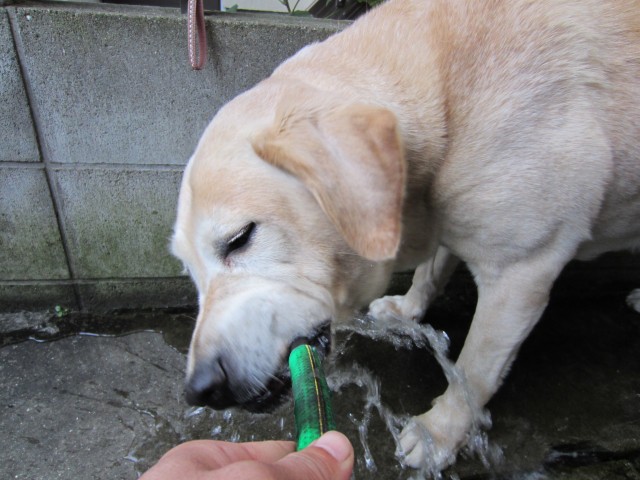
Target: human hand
328, 458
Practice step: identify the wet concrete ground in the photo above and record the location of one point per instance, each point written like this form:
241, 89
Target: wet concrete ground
107, 407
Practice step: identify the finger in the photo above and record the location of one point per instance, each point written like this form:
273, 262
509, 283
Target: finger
200, 456
328, 458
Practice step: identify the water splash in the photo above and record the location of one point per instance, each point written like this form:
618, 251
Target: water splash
404, 334
370, 419
362, 378
345, 376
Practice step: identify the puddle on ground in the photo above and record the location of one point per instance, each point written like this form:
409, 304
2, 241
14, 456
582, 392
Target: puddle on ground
175, 325
572, 401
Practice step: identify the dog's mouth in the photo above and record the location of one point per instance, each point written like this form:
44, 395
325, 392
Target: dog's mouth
275, 391
279, 387
320, 340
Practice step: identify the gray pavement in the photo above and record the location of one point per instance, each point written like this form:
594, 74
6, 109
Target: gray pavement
106, 406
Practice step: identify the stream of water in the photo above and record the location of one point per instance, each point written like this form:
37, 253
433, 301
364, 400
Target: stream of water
403, 334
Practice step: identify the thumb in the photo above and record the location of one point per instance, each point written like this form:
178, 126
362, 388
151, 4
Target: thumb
328, 458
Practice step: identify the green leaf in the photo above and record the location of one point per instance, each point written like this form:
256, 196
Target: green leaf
60, 311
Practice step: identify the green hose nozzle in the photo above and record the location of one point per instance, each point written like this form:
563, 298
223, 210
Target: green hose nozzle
311, 396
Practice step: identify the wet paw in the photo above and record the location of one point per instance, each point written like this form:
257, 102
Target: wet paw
420, 450
396, 307
633, 300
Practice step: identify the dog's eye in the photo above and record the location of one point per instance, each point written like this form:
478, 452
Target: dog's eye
240, 239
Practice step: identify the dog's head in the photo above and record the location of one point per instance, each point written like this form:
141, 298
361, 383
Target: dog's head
287, 216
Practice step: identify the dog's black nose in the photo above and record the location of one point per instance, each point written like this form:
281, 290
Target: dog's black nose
208, 386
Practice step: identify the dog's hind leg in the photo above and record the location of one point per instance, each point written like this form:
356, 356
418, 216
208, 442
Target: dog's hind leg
429, 279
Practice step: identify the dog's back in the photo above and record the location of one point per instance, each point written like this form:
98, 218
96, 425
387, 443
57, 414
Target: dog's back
548, 94
478, 86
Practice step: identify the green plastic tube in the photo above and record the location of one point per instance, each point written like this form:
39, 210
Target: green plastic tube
311, 396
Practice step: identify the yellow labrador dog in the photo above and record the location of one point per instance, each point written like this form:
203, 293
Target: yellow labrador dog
504, 133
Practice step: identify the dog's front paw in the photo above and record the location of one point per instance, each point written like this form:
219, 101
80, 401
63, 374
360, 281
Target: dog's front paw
431, 441
633, 299
396, 307
421, 449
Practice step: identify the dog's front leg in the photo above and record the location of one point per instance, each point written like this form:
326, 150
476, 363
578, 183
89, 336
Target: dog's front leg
429, 279
509, 304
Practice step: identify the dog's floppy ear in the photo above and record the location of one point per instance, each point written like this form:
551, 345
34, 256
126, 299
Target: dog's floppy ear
351, 159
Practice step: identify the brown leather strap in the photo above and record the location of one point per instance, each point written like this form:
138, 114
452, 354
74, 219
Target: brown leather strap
195, 21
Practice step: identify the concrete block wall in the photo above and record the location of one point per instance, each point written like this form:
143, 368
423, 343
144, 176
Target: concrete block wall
99, 112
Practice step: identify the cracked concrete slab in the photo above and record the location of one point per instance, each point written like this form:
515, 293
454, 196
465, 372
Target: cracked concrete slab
75, 408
